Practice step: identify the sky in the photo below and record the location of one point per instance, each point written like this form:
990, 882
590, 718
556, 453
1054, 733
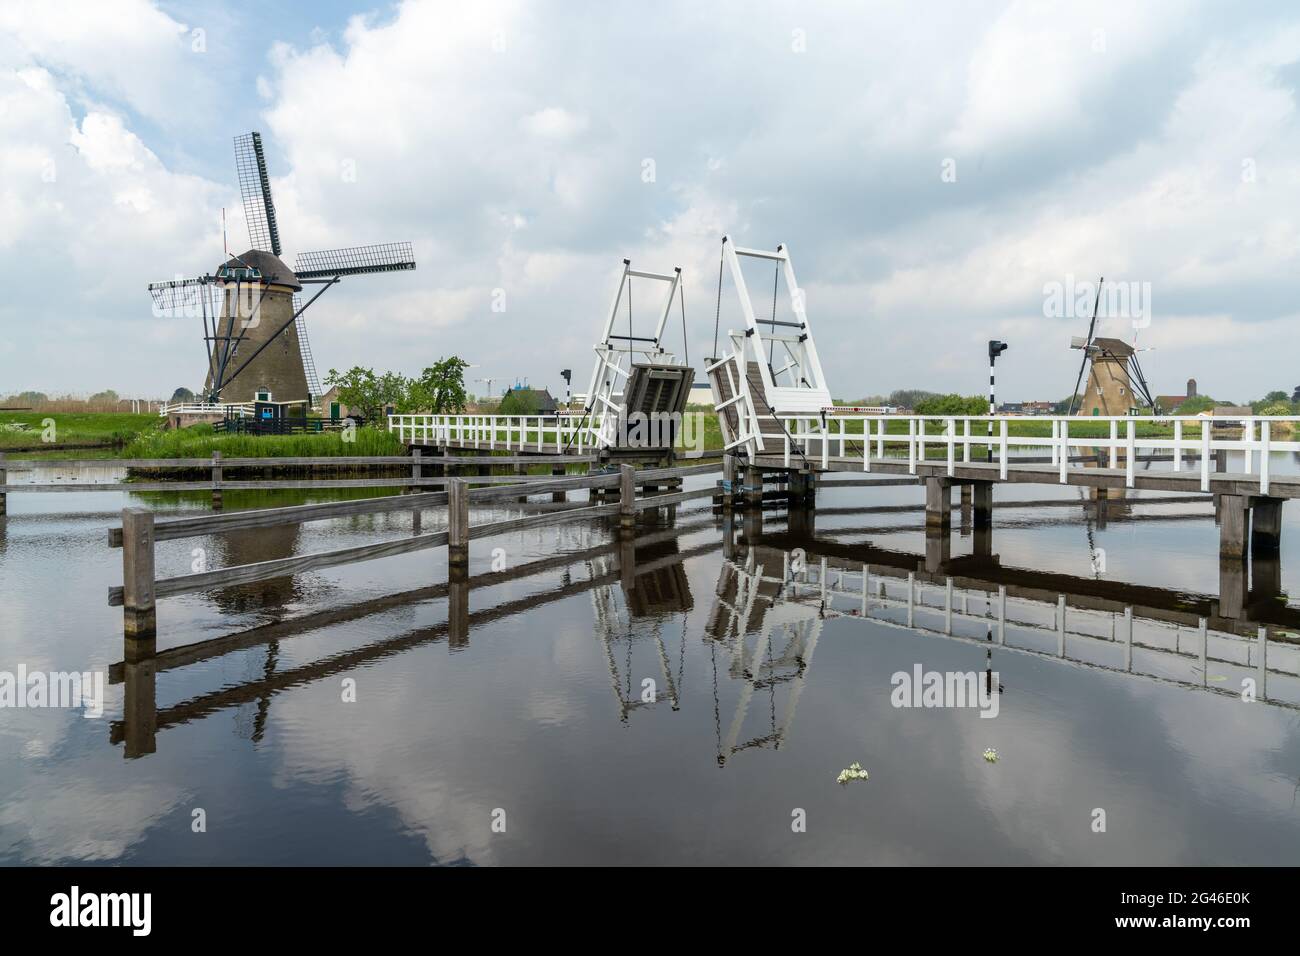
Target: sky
941, 176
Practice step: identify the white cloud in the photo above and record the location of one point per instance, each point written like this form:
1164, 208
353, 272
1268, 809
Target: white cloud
507, 141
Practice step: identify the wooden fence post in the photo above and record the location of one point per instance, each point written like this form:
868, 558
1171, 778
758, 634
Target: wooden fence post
558, 472
216, 481
4, 480
728, 481
626, 497
416, 475
138, 615
457, 526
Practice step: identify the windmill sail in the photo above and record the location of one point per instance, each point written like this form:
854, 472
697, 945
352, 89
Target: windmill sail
185, 298
308, 363
355, 260
255, 188
1083, 364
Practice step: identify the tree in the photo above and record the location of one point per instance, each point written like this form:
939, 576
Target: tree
519, 401
908, 397
1272, 398
440, 389
361, 390
182, 394
952, 405
1195, 405
1276, 408
107, 396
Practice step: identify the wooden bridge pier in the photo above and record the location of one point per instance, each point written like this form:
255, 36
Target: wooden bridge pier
976, 502
1248, 524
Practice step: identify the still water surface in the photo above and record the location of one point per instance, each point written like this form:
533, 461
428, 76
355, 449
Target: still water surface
770, 677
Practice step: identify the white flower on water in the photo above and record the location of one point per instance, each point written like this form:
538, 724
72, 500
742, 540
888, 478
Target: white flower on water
991, 755
854, 772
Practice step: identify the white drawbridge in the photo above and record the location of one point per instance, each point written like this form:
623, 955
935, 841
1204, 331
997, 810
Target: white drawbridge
772, 369
635, 373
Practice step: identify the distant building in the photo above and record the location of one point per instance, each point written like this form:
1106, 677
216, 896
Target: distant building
542, 399
332, 407
1168, 403
1027, 408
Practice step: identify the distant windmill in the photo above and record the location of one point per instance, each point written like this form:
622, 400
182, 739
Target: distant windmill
253, 328
1115, 379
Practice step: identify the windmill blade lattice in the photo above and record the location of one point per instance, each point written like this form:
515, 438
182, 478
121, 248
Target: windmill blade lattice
185, 298
355, 260
255, 189
304, 347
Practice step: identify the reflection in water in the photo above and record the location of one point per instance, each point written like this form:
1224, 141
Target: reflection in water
141, 721
248, 547
1166, 644
762, 691
768, 638
762, 629
648, 600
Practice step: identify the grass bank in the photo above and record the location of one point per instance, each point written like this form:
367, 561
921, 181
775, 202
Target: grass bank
109, 430
200, 441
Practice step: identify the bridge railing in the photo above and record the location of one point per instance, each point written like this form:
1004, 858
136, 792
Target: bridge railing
204, 408
1070, 443
541, 433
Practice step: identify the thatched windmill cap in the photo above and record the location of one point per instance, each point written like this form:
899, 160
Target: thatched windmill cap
272, 267
1116, 347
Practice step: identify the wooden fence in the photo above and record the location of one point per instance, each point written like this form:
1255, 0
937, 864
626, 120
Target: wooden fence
216, 483
140, 532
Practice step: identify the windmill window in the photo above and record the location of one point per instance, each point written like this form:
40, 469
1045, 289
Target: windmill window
1121, 389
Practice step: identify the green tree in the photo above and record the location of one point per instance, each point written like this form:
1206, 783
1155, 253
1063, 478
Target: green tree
519, 401
908, 397
108, 395
1272, 398
1195, 405
440, 389
361, 390
1276, 408
952, 405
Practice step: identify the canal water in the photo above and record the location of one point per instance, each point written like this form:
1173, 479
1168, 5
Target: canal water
689, 698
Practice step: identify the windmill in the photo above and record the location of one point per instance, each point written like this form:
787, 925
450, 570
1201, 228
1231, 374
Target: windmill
255, 338
1116, 382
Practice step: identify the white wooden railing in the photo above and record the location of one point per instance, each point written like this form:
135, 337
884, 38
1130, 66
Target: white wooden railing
965, 438
204, 408
542, 433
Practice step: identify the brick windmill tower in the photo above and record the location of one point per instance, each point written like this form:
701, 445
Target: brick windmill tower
255, 338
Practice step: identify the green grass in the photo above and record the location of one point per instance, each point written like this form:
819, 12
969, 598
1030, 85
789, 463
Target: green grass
200, 441
73, 428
